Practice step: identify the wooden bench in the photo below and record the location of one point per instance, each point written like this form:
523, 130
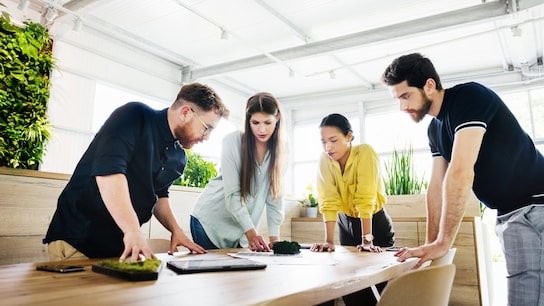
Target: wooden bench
29, 198
28, 202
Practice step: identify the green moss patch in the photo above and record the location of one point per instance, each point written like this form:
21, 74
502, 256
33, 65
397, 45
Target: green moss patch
148, 265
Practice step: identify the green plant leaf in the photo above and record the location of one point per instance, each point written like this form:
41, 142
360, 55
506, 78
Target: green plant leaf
198, 171
25, 64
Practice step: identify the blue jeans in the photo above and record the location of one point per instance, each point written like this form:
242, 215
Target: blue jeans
521, 233
199, 235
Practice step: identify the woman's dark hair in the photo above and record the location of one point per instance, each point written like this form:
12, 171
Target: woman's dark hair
338, 121
414, 68
262, 102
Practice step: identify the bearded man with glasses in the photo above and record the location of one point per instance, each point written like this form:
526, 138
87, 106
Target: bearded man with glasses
124, 176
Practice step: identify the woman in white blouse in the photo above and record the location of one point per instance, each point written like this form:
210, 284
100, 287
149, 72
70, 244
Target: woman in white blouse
228, 211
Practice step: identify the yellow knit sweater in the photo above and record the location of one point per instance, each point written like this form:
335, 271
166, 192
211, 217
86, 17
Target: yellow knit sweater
358, 192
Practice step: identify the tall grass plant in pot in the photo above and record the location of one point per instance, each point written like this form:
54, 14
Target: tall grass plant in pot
401, 177
403, 187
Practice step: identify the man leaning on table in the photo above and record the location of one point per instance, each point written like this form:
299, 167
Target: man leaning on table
124, 176
477, 145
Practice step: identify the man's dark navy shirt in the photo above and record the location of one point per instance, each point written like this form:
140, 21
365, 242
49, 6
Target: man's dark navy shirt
135, 141
509, 170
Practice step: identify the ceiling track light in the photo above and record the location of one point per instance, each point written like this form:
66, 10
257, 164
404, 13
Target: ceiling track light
51, 14
78, 24
291, 73
224, 34
516, 31
23, 5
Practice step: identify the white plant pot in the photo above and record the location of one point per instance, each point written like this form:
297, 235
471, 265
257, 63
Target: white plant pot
311, 212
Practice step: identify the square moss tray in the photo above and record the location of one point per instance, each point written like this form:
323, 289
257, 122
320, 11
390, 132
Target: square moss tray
124, 274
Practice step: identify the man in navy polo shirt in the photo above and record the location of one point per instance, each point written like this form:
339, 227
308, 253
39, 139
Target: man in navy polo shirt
124, 176
477, 145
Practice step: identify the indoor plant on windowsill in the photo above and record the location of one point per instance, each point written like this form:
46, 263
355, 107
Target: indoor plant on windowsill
401, 177
310, 205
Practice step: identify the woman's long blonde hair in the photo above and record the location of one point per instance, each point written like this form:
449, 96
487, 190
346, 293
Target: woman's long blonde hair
262, 102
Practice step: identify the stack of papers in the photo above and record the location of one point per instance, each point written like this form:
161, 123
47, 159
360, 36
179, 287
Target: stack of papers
303, 258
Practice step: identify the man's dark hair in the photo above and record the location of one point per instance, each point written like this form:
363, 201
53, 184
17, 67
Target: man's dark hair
414, 68
203, 96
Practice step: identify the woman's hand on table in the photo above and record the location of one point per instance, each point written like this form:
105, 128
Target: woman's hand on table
322, 247
369, 248
257, 244
272, 239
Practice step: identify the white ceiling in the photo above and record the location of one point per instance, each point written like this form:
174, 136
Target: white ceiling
297, 49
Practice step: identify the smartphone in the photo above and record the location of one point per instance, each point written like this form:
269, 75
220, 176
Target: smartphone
60, 268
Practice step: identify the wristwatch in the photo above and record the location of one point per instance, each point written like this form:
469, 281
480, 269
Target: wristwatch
368, 237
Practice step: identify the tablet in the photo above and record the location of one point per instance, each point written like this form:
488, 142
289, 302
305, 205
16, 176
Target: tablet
213, 265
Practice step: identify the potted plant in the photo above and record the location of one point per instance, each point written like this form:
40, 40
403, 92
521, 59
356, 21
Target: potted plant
400, 174
310, 205
402, 186
404, 189
198, 171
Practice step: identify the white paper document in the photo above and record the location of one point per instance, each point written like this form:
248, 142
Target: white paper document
305, 257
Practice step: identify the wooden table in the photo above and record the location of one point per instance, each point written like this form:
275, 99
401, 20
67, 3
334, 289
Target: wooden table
22, 284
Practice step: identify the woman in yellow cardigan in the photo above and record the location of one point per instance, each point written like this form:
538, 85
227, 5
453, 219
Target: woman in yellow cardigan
351, 190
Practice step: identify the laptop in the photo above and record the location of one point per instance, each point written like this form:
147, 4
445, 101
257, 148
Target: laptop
213, 265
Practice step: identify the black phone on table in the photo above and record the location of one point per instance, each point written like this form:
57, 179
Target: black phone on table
60, 268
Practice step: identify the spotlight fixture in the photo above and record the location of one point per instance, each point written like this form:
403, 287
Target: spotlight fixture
23, 5
224, 34
51, 14
516, 31
78, 23
291, 73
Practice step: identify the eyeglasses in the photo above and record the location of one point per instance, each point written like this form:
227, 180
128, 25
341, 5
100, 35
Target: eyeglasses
206, 127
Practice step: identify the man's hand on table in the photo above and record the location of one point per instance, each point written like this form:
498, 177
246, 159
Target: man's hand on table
180, 239
424, 253
136, 248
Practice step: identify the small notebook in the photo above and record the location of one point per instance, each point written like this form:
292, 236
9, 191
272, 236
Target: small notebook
214, 265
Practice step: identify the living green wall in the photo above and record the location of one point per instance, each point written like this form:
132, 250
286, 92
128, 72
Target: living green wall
26, 62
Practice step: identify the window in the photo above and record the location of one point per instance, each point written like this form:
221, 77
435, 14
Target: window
519, 105
385, 132
211, 148
528, 107
107, 99
396, 130
307, 148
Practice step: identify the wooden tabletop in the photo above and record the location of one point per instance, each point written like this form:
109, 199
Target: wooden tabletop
278, 284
